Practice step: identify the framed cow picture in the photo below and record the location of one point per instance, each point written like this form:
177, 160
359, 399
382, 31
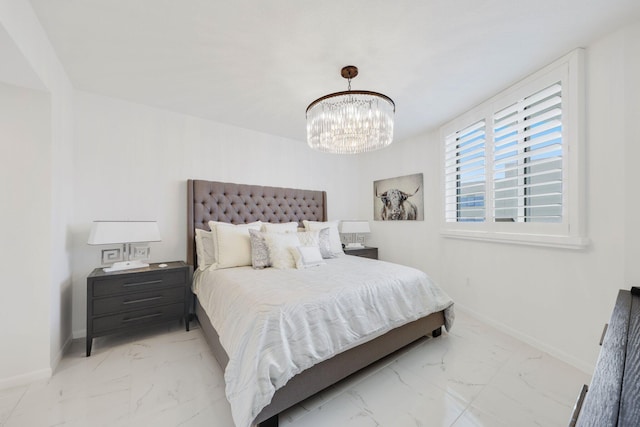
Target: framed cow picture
399, 199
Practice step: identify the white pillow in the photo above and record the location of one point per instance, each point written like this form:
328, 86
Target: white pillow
204, 249
279, 245
334, 235
231, 243
282, 227
307, 256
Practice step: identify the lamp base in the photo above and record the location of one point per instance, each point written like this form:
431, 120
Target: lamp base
125, 265
354, 245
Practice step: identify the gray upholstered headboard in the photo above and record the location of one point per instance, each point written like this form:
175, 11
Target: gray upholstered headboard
240, 203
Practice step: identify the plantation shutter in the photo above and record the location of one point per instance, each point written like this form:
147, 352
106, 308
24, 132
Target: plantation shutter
465, 174
527, 159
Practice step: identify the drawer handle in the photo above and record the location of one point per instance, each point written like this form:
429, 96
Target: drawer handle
150, 282
148, 316
604, 332
576, 409
135, 301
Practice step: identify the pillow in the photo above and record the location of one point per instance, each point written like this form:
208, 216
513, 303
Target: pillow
319, 238
204, 249
309, 238
231, 243
279, 245
324, 243
283, 227
307, 256
334, 236
259, 250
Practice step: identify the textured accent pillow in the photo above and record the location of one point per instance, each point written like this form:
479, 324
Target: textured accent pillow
259, 250
307, 256
231, 243
309, 238
204, 249
334, 235
282, 227
279, 245
324, 243
318, 238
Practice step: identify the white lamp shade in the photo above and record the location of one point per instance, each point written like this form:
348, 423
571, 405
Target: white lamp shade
111, 232
359, 227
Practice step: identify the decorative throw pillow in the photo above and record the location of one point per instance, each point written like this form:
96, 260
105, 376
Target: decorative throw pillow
259, 250
231, 243
324, 243
282, 227
318, 238
307, 256
309, 238
279, 245
334, 235
204, 249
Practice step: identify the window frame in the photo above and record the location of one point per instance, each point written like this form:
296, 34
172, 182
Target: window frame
571, 232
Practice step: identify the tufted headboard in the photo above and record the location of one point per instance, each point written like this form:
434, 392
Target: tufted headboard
240, 203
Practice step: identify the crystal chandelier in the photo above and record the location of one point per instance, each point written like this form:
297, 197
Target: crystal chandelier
350, 122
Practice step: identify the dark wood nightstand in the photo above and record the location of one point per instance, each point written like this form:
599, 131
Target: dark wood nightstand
365, 252
123, 300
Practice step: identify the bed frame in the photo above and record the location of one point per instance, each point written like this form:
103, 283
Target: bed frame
237, 204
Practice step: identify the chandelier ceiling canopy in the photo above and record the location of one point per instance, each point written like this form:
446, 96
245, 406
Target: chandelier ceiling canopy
350, 122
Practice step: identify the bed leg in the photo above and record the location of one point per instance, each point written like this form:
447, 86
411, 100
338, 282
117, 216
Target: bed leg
436, 332
271, 422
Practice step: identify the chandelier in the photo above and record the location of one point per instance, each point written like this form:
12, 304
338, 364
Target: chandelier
350, 122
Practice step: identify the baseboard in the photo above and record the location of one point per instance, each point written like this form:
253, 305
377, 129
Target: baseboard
25, 379
61, 353
585, 367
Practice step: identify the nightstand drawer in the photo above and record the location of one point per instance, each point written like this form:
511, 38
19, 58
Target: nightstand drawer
138, 300
132, 319
365, 252
138, 283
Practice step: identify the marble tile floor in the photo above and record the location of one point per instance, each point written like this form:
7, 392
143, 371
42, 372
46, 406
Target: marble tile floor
473, 376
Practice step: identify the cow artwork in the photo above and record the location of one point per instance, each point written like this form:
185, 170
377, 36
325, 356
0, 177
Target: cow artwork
395, 205
399, 199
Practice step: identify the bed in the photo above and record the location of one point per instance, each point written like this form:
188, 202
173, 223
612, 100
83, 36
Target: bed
240, 204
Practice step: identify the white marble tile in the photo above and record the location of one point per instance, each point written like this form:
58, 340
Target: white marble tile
340, 411
9, 399
397, 397
473, 417
533, 388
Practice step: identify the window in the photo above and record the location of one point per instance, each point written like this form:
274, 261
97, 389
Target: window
512, 164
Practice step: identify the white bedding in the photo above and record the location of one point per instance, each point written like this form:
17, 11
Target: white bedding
275, 323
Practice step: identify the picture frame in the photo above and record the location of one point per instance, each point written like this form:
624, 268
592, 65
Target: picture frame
399, 199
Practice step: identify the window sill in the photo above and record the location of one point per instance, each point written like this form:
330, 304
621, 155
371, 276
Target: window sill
553, 241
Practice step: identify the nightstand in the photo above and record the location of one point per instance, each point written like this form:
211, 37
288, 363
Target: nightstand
124, 300
364, 252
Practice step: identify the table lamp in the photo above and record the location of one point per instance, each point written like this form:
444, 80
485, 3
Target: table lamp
354, 229
127, 233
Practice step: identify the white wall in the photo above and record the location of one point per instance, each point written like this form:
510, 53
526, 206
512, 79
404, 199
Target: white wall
631, 155
25, 170
556, 299
44, 323
133, 162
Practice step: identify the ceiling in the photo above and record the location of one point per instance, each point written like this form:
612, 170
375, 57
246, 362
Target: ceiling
258, 64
